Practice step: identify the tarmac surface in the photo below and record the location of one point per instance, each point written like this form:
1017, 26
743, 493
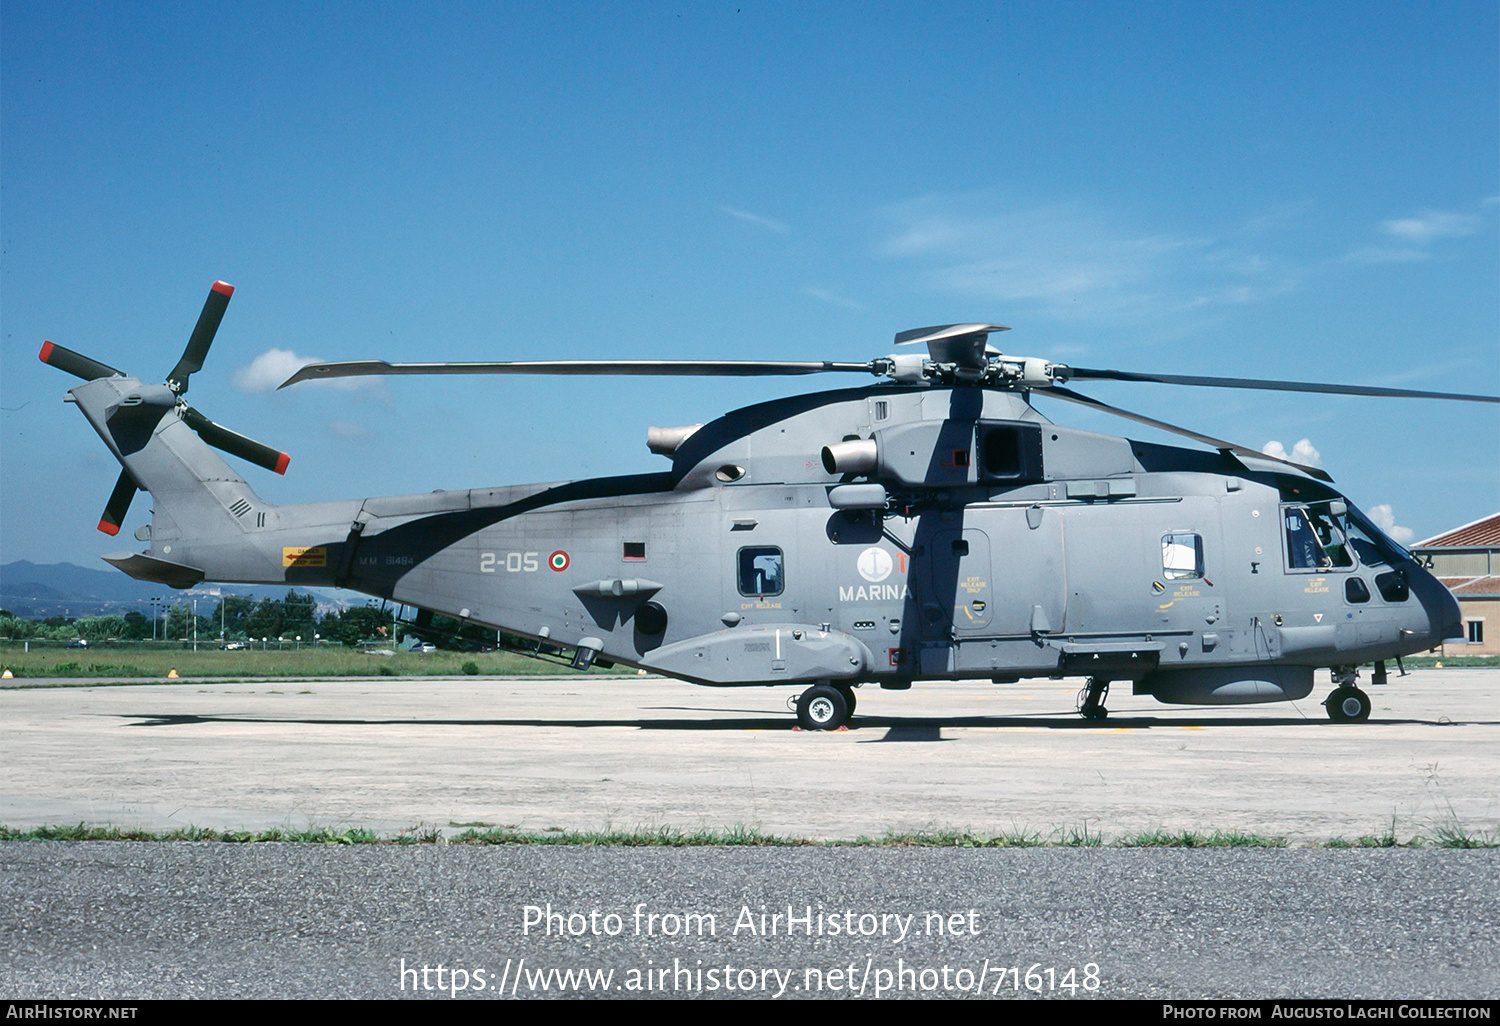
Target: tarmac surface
544, 754
122, 920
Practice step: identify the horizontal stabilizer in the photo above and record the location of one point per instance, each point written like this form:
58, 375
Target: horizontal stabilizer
158, 571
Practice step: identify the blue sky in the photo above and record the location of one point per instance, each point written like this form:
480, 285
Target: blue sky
1303, 191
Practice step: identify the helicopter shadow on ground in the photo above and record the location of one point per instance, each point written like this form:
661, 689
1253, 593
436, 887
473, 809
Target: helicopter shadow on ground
899, 728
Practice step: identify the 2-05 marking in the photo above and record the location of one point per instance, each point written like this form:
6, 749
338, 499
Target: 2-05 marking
510, 562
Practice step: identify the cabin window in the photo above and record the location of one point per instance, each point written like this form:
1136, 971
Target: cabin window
1356, 591
635, 550
1181, 557
761, 571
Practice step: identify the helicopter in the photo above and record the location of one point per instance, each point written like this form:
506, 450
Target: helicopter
931, 525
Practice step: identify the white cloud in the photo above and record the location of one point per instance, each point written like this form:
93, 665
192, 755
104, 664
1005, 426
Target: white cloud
1386, 255
768, 223
267, 371
1430, 225
1069, 260
270, 369
1416, 236
1385, 519
833, 298
1303, 452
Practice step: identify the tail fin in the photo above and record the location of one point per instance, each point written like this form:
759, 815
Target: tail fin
200, 504
163, 444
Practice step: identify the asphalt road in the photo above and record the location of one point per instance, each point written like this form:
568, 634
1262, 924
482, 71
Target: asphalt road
116, 920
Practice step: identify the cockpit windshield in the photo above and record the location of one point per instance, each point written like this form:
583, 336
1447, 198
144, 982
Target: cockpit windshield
1371, 545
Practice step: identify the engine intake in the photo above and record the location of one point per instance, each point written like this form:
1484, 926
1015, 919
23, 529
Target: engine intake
665, 441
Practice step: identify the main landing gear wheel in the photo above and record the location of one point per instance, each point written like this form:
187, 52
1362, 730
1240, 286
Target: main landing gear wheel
1094, 694
849, 700
1347, 705
823, 707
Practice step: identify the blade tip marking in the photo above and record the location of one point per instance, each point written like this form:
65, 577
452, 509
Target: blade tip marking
46, 354
108, 528
281, 463
223, 288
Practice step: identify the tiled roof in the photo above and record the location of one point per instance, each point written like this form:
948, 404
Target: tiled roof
1477, 586
1480, 534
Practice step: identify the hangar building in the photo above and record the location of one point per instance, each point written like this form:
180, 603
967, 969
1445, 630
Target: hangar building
1467, 560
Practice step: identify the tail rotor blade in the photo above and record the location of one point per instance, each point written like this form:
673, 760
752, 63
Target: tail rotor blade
234, 443
118, 504
202, 336
54, 355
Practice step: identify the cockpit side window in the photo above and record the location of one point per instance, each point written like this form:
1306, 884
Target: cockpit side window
1330, 536
1302, 549
1314, 539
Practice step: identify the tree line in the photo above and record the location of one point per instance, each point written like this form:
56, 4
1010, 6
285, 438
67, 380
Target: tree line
238, 617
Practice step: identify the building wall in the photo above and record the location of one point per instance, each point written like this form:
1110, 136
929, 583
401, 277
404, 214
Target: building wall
1474, 563
1486, 610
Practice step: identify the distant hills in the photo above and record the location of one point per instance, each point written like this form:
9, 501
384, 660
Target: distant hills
39, 590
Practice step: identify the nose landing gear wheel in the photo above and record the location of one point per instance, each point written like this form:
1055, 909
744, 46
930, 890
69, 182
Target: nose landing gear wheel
822, 707
1347, 705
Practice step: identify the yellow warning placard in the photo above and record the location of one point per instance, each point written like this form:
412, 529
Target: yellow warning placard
316, 556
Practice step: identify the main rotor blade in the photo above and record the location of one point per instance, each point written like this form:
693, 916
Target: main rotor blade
202, 336
1209, 440
54, 355
1091, 374
681, 368
118, 504
234, 443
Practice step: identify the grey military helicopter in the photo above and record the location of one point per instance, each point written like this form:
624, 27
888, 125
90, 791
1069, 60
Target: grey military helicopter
929, 526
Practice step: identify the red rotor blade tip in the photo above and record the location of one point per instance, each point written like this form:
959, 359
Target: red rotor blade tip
224, 287
282, 463
108, 528
46, 352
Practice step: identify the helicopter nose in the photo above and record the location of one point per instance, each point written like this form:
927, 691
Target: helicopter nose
1437, 616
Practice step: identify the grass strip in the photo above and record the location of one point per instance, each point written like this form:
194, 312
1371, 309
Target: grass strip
739, 836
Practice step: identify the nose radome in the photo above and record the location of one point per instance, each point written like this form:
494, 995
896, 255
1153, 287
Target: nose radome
1443, 619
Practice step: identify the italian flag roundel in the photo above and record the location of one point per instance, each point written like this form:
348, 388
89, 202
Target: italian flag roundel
558, 561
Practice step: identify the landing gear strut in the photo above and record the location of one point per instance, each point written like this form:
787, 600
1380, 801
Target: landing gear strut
824, 707
1094, 694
